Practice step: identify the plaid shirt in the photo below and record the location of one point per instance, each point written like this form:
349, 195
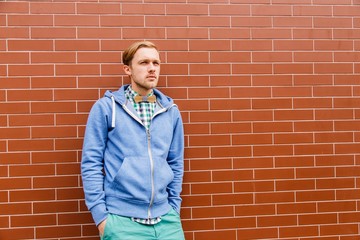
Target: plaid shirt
145, 110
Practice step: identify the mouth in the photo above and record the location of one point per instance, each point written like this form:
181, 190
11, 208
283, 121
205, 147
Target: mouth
151, 76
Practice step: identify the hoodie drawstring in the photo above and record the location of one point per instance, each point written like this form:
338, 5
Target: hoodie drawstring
113, 112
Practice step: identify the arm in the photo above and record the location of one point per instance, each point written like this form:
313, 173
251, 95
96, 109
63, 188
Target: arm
176, 162
92, 162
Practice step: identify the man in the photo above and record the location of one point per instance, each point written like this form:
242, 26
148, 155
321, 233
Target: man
132, 161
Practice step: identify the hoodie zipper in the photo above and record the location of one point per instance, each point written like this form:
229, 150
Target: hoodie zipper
151, 172
148, 135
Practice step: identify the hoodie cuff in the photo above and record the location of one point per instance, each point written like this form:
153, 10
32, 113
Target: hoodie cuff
99, 213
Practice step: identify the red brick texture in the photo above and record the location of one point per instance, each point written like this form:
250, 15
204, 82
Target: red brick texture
269, 92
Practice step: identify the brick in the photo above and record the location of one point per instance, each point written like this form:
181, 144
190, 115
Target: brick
316, 195
341, 206
209, 92
74, 218
68, 144
31, 195
14, 57
187, 57
33, 220
27, 145
153, 33
207, 188
232, 199
230, 151
29, 95
276, 197
95, 8
253, 187
229, 9
187, 33
53, 33
55, 206
15, 183
209, 45
53, 82
203, 140
214, 235
14, 158
14, 32
252, 139
302, 231
59, 231
30, 20
257, 233
98, 33
332, 22
228, 223
295, 68
295, 185
272, 127
333, 45
196, 200
30, 45
201, 164
52, 8
273, 221
76, 20
187, 9
14, 133
53, 57
313, 126
121, 21
70, 193
274, 33
53, 107
33, 120
31, 170
296, 208
313, 57
313, 149
232, 175
321, 68
339, 229
71, 69
14, 7
252, 45
229, 81
166, 21
211, 212
31, 70
77, 45
197, 224
253, 21
252, 68
11, 233
293, 21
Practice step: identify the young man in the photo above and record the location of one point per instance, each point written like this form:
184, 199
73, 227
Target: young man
132, 161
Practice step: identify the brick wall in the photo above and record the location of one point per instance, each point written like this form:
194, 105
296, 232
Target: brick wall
269, 93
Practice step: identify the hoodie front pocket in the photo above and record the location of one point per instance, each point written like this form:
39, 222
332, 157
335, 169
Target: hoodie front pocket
133, 180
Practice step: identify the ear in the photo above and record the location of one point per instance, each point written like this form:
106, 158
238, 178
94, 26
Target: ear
127, 70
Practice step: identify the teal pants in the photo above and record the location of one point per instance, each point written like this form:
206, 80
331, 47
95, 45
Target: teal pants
123, 228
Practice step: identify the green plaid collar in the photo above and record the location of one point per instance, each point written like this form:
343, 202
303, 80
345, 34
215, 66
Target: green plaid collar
145, 110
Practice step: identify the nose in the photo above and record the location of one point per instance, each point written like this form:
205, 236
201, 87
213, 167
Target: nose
151, 67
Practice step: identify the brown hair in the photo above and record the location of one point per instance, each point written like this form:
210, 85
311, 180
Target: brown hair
129, 53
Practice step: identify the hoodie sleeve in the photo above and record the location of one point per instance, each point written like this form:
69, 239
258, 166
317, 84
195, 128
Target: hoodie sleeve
92, 161
176, 162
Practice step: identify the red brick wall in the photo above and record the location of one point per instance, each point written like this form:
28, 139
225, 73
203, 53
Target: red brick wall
269, 93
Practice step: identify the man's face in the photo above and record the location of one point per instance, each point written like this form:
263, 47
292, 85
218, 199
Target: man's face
144, 70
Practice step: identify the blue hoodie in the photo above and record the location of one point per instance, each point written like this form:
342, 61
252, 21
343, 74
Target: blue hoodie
126, 169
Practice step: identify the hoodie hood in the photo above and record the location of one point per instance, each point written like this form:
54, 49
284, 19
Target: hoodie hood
118, 96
